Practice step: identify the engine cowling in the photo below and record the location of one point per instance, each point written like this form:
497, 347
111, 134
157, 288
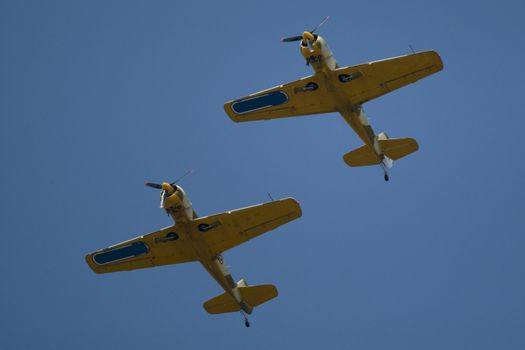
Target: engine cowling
173, 199
316, 52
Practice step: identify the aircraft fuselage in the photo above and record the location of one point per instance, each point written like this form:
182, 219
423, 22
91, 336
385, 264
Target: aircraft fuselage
319, 56
179, 207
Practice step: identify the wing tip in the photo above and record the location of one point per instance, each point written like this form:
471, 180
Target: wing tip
229, 112
436, 57
91, 263
295, 203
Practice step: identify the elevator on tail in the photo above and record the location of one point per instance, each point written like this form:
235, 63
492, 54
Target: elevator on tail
344, 90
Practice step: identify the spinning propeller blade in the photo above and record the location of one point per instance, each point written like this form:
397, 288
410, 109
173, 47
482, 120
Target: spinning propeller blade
189, 172
171, 187
292, 38
153, 185
320, 24
300, 37
159, 186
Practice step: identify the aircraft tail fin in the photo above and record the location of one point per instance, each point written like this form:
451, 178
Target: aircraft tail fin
250, 295
392, 148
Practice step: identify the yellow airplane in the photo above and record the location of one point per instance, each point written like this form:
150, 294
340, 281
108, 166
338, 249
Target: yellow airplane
204, 240
343, 90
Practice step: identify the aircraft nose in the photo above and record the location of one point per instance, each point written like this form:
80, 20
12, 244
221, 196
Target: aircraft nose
307, 36
168, 188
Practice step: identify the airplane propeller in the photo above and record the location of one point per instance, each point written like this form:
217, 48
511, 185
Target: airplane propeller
163, 188
300, 37
153, 185
166, 187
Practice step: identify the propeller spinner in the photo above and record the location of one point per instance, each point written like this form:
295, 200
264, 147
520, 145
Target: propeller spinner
166, 188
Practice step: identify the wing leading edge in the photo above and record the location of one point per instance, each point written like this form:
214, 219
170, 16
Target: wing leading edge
365, 82
358, 84
300, 97
229, 229
163, 247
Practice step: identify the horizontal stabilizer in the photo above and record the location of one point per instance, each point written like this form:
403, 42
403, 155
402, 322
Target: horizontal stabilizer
257, 295
361, 156
221, 304
392, 148
398, 148
250, 295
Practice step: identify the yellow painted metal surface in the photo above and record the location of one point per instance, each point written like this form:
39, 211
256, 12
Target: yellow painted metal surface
251, 295
299, 102
168, 188
257, 295
381, 77
343, 90
398, 148
221, 304
361, 156
161, 251
393, 149
370, 81
238, 226
203, 240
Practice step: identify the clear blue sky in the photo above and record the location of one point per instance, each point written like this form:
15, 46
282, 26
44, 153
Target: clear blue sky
98, 96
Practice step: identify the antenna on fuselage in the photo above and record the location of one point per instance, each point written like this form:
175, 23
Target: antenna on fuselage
269, 195
411, 49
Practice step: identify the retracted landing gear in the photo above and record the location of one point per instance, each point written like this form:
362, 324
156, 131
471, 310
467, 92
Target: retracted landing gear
246, 321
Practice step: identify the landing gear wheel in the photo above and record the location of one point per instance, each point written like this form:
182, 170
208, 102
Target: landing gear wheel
246, 322
386, 177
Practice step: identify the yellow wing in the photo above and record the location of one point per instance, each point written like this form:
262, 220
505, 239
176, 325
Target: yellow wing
367, 81
300, 97
227, 230
167, 246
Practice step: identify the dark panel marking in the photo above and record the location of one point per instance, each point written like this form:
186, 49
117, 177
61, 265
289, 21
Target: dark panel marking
252, 104
172, 236
120, 253
204, 227
345, 78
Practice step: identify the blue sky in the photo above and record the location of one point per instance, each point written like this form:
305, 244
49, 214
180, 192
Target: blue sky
97, 97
